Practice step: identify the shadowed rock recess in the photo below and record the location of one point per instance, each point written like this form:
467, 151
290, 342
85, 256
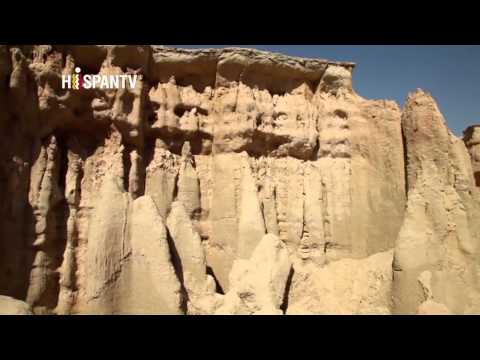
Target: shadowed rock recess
228, 181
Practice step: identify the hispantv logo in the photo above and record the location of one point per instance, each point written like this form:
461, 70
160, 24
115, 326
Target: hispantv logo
79, 81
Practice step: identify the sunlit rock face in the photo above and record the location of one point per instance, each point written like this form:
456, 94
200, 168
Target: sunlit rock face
228, 181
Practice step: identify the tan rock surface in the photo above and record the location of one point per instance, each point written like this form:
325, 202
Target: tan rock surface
440, 233
11, 306
432, 308
181, 194
471, 137
346, 287
257, 285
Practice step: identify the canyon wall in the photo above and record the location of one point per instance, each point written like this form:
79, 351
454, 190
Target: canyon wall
228, 181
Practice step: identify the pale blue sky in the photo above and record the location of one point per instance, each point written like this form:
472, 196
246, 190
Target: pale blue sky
450, 73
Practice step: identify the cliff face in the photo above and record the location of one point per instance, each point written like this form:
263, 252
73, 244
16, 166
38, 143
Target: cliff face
227, 181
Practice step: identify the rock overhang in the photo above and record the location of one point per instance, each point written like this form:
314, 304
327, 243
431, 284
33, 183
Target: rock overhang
275, 72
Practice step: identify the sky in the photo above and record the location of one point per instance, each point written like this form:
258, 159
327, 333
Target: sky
451, 73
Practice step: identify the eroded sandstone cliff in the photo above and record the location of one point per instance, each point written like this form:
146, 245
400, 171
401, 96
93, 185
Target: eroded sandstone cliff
228, 181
